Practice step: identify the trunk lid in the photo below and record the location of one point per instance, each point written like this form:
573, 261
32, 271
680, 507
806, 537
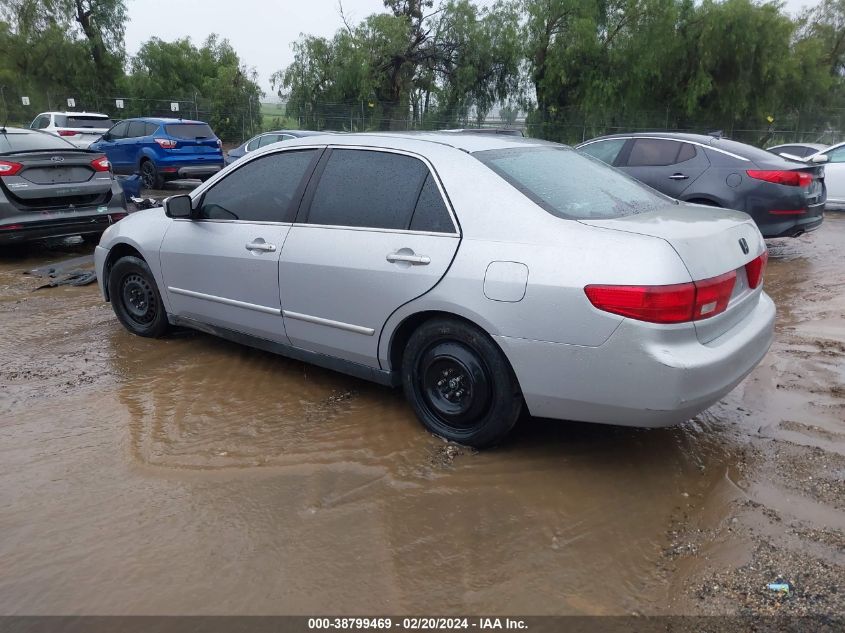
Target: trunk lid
710, 242
56, 178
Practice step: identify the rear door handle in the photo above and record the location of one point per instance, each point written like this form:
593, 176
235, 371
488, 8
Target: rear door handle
260, 246
416, 260
678, 176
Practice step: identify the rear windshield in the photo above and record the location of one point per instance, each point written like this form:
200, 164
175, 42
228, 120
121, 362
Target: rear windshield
741, 149
17, 142
84, 121
189, 130
569, 184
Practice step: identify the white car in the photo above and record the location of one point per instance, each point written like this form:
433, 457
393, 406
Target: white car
79, 128
833, 159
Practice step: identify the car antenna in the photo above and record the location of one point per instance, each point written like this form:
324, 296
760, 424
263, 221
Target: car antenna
5, 110
716, 134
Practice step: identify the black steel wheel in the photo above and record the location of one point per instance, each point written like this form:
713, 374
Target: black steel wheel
135, 298
459, 383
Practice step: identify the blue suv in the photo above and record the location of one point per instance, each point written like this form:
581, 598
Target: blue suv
162, 149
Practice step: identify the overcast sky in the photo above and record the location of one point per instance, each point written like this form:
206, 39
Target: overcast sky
261, 31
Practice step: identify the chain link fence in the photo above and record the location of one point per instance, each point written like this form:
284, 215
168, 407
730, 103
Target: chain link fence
568, 125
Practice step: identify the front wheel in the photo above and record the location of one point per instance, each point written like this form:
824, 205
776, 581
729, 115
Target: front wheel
460, 384
135, 298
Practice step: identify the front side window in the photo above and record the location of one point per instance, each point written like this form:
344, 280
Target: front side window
605, 151
120, 130
370, 189
262, 190
136, 129
570, 185
267, 139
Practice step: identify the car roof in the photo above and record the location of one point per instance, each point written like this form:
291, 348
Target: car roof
82, 113
815, 146
22, 130
466, 142
165, 120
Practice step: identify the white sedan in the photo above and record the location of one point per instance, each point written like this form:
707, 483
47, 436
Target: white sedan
834, 173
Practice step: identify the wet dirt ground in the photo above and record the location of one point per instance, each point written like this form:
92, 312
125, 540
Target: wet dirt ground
193, 476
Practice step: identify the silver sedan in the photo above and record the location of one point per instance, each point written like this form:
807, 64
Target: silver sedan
486, 275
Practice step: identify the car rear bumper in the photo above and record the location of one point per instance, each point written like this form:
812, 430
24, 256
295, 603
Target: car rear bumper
27, 226
773, 224
644, 376
195, 171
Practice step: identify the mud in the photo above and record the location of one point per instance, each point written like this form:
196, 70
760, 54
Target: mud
189, 475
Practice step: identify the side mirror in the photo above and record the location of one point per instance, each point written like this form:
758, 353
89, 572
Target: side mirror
820, 159
178, 207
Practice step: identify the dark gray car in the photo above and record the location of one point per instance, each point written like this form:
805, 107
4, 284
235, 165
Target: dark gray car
785, 198
50, 188
264, 139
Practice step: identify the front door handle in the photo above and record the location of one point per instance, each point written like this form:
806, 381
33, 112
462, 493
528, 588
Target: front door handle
409, 257
678, 176
260, 245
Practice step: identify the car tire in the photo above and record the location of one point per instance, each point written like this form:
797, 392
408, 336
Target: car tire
150, 176
135, 298
460, 384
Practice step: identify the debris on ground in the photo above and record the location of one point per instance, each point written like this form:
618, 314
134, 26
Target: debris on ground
140, 204
76, 271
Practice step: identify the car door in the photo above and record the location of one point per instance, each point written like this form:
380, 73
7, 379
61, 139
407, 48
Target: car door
374, 233
834, 175
223, 267
131, 145
109, 145
670, 166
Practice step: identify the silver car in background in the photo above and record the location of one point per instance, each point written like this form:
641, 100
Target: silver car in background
485, 274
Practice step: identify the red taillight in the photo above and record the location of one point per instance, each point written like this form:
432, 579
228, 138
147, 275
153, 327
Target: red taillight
8, 168
67, 133
165, 143
10, 227
676, 303
712, 295
755, 268
782, 177
656, 304
101, 164
117, 216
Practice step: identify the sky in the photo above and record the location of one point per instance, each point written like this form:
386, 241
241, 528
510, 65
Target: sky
261, 31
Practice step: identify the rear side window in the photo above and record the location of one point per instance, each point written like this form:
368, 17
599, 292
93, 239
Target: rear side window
570, 185
653, 152
40, 122
605, 151
17, 142
150, 129
189, 130
837, 155
262, 190
267, 139
431, 213
368, 189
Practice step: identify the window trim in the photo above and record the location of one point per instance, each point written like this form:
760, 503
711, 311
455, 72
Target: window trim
664, 138
198, 199
301, 218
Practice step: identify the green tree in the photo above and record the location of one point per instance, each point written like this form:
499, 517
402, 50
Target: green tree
212, 77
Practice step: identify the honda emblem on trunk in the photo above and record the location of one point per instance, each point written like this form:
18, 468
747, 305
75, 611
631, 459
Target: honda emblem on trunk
743, 245
57, 159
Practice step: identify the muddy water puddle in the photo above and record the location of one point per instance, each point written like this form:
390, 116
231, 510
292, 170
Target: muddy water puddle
191, 475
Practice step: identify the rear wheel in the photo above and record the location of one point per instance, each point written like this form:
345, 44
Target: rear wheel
150, 176
135, 298
460, 384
